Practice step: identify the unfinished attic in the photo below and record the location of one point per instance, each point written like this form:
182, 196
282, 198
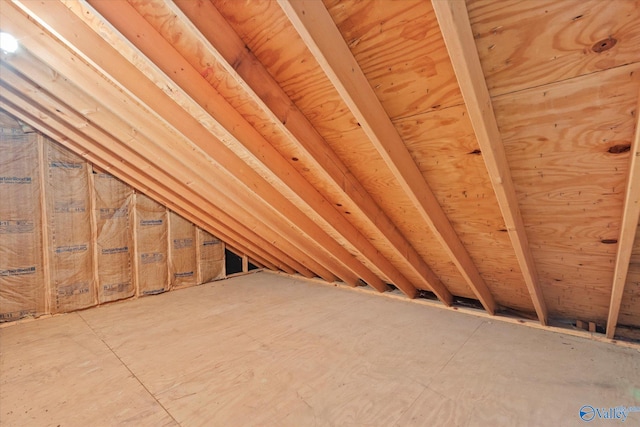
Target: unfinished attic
440, 201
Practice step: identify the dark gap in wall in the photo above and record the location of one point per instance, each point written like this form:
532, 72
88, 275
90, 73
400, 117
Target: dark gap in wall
512, 312
628, 333
467, 302
426, 295
232, 262
252, 266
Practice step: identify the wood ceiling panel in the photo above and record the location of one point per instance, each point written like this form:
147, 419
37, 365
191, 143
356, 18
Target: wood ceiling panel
194, 49
445, 148
297, 73
161, 133
327, 113
361, 157
286, 61
456, 30
316, 27
355, 150
575, 286
274, 128
267, 32
258, 169
197, 54
526, 44
400, 49
557, 139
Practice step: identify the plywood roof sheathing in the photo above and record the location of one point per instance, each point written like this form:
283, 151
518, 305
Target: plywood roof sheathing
317, 29
456, 30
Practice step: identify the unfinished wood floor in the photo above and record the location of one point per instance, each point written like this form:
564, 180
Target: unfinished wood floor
264, 349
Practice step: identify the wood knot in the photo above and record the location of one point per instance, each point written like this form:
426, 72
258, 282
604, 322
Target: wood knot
604, 45
609, 241
619, 148
476, 151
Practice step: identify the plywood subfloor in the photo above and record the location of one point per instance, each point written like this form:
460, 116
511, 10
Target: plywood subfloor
264, 349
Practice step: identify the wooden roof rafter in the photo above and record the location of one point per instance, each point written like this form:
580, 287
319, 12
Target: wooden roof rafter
209, 134
456, 31
243, 134
223, 44
84, 133
284, 114
79, 134
316, 27
182, 116
628, 229
50, 127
